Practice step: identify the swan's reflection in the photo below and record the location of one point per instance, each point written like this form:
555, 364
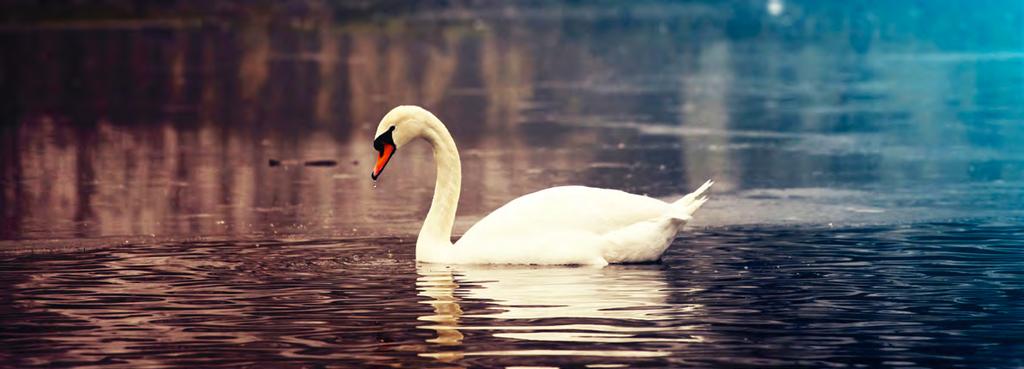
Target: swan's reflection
440, 286
618, 304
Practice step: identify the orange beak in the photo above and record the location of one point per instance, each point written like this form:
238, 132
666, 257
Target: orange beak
383, 156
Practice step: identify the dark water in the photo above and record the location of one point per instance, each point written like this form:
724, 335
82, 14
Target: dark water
929, 295
867, 208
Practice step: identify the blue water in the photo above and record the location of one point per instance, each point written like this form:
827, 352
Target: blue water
867, 208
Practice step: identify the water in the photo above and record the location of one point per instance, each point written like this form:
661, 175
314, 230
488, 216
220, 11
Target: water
928, 295
866, 213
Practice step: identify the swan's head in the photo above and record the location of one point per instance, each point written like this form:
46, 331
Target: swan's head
398, 127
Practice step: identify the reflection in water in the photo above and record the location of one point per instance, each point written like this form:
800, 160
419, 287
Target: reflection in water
440, 286
166, 130
761, 297
124, 140
523, 300
200, 304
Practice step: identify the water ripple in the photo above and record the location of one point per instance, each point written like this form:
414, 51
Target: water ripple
935, 294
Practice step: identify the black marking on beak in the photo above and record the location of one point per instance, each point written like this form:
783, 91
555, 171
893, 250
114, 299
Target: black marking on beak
385, 146
378, 143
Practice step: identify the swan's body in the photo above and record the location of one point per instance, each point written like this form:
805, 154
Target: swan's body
559, 225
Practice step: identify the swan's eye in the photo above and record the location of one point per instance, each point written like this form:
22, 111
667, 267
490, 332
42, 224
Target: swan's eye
385, 146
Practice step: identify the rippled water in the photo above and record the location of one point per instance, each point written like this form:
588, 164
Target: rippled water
867, 208
929, 295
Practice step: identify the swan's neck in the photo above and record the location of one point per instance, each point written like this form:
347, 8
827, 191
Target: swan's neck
435, 240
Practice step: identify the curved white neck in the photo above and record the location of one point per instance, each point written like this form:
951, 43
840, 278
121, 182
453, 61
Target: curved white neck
435, 239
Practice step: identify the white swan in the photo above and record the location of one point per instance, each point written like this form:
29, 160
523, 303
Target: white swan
559, 225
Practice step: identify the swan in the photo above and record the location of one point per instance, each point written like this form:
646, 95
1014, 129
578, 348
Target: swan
567, 225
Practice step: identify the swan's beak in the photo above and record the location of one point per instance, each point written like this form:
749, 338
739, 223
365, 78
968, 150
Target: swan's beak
383, 156
385, 146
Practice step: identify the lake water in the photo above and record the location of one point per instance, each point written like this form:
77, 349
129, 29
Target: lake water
868, 161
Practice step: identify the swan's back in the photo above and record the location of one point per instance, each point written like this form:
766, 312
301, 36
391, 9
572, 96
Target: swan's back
563, 208
529, 224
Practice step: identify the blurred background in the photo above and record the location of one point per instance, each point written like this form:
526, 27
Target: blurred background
156, 209
129, 120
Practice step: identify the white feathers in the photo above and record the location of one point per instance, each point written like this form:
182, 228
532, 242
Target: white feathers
575, 225
559, 225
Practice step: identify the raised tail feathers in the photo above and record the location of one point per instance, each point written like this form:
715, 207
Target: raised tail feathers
684, 208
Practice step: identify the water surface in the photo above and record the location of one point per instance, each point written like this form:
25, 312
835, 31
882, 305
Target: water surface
929, 295
866, 213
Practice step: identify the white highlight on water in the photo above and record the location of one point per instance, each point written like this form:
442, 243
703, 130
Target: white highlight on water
775, 7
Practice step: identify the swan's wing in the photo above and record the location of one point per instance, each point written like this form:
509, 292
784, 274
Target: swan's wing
577, 225
567, 209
